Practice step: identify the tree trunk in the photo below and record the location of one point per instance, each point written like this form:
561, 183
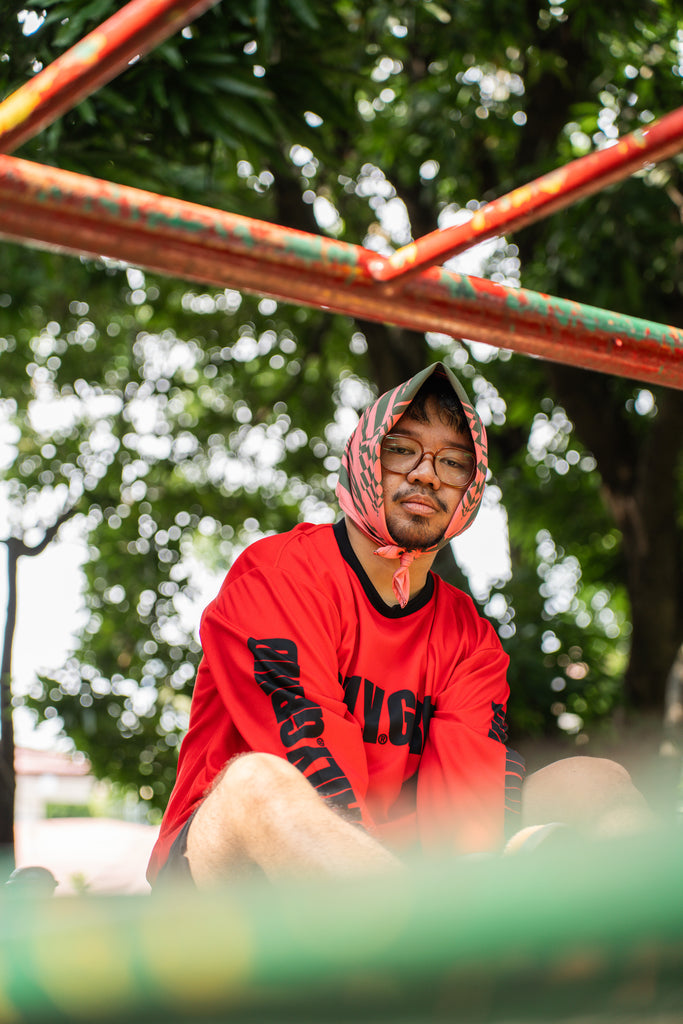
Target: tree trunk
7, 777
640, 490
648, 521
395, 354
15, 549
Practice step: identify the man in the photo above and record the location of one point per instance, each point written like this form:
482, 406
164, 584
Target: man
350, 704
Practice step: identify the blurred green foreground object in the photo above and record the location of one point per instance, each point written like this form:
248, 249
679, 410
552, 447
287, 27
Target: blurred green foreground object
590, 932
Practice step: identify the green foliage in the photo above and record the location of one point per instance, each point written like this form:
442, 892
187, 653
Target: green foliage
55, 810
178, 447
184, 423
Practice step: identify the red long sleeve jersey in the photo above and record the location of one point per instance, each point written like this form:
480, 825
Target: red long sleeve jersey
396, 716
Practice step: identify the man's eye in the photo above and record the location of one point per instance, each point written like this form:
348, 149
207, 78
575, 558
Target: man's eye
399, 449
455, 462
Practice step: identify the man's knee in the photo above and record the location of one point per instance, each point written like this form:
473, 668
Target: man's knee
580, 772
580, 791
251, 792
255, 777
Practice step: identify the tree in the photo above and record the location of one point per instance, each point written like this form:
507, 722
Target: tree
199, 420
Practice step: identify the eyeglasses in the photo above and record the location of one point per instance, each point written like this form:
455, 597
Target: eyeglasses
453, 466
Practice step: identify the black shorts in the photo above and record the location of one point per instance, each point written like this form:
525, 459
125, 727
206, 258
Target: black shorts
177, 867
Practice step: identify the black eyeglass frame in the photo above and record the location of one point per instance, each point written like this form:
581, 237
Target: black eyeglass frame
423, 451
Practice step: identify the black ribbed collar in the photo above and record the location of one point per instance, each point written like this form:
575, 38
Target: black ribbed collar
390, 611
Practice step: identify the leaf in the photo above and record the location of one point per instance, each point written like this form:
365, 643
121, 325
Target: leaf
305, 13
261, 8
246, 118
179, 113
116, 100
437, 11
211, 60
216, 126
170, 53
159, 91
82, 22
87, 111
240, 87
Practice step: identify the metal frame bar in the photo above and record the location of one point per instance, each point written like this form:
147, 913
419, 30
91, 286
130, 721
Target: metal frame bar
541, 197
592, 932
100, 56
47, 207
73, 213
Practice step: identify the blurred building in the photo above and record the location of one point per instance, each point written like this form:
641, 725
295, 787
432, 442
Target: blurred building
51, 784
57, 826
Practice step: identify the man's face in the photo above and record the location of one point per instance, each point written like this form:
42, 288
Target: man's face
417, 505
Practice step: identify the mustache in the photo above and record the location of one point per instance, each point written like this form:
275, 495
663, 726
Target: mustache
420, 492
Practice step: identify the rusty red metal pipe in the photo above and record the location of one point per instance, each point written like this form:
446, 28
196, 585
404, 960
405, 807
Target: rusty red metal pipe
56, 209
541, 197
96, 59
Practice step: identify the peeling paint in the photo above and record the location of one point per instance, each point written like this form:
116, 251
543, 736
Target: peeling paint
15, 110
88, 51
305, 248
541, 197
89, 64
405, 256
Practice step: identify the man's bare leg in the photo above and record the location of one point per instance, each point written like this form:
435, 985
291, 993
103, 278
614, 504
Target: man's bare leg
263, 811
594, 795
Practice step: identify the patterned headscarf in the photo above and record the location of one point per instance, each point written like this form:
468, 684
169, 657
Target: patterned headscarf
360, 491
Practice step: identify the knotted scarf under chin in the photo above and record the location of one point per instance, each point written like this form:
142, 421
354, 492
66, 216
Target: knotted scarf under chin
400, 583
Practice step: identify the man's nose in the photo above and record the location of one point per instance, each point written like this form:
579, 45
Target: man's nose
425, 471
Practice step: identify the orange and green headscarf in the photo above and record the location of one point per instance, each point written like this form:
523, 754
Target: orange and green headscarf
360, 492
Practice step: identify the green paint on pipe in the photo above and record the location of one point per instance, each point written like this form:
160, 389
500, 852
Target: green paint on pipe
305, 248
86, 51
